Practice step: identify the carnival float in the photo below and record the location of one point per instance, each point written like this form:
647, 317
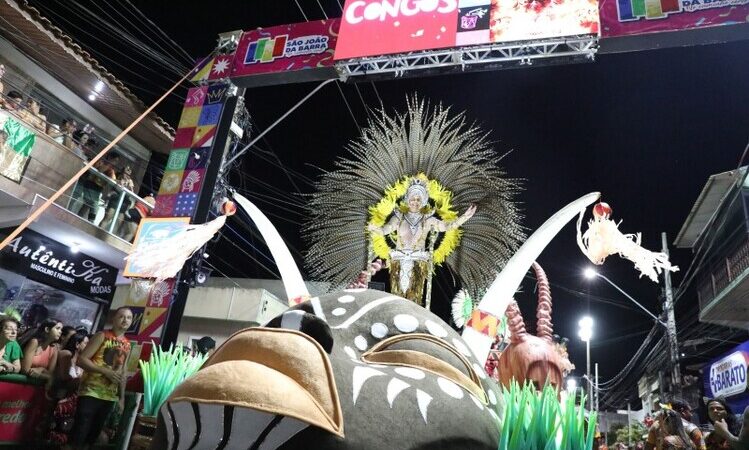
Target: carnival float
361, 368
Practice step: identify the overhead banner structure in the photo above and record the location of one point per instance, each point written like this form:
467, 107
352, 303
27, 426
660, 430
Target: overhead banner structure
286, 54
629, 17
382, 27
727, 377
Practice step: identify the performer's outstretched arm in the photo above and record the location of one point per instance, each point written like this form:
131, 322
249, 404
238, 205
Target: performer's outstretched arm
442, 226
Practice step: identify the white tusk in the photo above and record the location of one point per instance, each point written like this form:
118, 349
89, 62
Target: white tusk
290, 275
501, 291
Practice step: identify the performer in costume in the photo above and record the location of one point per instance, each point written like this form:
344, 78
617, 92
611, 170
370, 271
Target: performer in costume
412, 227
408, 177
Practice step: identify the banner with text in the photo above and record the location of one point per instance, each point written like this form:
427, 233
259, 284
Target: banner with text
727, 377
382, 27
22, 409
628, 17
286, 54
52, 263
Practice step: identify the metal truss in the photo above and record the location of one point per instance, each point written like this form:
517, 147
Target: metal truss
500, 55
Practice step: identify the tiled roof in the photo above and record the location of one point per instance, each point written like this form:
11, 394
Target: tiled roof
62, 57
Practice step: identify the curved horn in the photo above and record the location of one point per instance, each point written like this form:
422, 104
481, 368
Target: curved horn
290, 275
500, 293
544, 327
515, 323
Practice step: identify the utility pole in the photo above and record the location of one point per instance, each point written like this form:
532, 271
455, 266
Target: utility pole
597, 393
668, 306
629, 427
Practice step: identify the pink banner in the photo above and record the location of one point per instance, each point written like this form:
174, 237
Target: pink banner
280, 52
627, 17
383, 27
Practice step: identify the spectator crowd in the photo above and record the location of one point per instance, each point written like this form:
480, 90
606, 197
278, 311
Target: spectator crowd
83, 375
103, 189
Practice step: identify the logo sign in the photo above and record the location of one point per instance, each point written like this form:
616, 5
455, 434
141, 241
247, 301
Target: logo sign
627, 17
728, 375
286, 53
54, 264
382, 27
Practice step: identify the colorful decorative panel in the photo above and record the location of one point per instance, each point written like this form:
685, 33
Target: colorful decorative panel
190, 117
198, 158
196, 96
164, 205
183, 137
178, 195
192, 181
170, 182
185, 204
177, 159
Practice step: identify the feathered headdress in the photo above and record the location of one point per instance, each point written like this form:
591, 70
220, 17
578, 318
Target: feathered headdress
449, 152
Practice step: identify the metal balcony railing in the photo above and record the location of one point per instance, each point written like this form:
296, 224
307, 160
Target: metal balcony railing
728, 268
96, 198
104, 203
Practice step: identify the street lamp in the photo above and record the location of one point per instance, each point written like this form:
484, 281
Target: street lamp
586, 333
590, 273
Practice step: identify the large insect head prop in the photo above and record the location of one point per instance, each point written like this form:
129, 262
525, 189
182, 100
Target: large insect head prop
535, 358
356, 369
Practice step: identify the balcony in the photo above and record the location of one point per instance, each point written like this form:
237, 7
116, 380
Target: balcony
95, 209
723, 291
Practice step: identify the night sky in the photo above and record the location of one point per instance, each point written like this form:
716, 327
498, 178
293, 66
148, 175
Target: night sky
646, 129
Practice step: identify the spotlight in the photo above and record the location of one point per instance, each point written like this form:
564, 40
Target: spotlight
91, 97
75, 248
201, 277
99, 86
590, 273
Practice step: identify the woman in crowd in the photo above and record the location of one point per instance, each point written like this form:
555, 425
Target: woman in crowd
10, 351
719, 413
67, 380
67, 332
33, 116
40, 352
674, 436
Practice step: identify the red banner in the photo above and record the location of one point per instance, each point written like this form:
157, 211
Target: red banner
22, 409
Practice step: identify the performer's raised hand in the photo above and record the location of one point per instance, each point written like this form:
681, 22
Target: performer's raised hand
470, 211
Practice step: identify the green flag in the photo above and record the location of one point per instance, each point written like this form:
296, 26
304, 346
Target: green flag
20, 138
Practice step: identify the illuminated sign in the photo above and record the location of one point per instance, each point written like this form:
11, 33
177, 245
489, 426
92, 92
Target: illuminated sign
627, 17
383, 27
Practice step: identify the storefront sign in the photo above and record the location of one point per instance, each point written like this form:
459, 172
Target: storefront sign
22, 408
286, 54
628, 17
49, 262
727, 377
382, 27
